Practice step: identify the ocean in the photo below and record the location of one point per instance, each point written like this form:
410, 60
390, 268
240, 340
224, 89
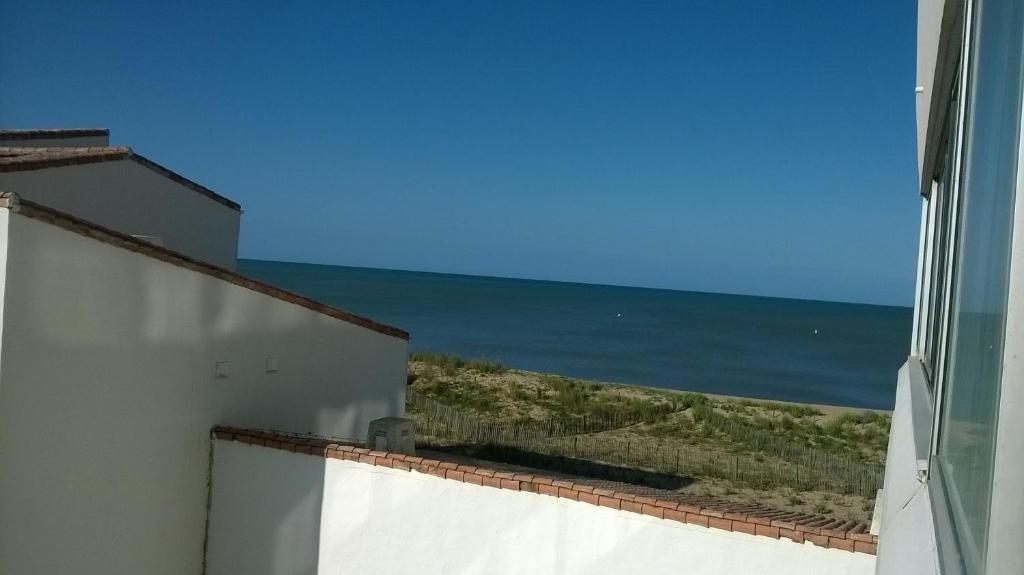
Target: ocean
758, 347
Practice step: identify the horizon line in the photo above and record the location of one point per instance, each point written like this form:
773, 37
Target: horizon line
570, 282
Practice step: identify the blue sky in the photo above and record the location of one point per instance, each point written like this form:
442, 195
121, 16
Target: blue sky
744, 147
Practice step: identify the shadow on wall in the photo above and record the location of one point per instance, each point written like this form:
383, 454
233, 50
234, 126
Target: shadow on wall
265, 512
381, 520
266, 517
113, 367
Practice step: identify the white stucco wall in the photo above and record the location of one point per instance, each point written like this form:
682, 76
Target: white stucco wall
265, 511
130, 198
379, 520
906, 539
929, 20
108, 394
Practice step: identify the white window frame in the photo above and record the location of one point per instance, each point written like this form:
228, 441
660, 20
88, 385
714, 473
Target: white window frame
938, 379
1006, 514
922, 317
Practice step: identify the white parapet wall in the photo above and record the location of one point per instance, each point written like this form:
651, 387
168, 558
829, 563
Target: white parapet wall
279, 512
115, 365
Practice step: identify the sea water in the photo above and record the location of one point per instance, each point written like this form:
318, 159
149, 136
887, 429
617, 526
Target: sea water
758, 347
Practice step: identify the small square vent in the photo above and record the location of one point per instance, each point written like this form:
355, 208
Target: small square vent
393, 434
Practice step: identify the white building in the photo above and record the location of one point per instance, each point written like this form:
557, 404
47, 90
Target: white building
954, 490
78, 173
118, 356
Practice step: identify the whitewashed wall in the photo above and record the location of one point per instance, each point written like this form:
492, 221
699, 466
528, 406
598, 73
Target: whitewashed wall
906, 539
130, 198
108, 394
929, 20
265, 512
268, 517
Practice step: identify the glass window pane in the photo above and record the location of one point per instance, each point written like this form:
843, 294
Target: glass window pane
987, 192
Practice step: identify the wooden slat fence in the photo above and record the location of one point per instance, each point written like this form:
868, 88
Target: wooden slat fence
804, 472
783, 448
470, 425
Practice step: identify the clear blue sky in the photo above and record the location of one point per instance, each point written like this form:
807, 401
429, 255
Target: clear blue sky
746, 147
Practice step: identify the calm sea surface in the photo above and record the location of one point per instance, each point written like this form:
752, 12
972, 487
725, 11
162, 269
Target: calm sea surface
727, 344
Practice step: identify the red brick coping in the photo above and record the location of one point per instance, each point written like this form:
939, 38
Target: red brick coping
751, 519
79, 226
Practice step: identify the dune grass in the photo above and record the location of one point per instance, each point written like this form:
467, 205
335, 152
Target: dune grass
451, 363
496, 393
491, 389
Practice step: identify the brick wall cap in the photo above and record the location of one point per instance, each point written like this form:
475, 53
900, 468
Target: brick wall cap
761, 525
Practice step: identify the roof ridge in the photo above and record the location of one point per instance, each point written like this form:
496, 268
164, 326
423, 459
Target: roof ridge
97, 232
51, 133
62, 149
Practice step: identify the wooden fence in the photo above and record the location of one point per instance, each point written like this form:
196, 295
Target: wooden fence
452, 426
783, 448
468, 425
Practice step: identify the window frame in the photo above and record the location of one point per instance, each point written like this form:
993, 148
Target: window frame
955, 112
1006, 514
941, 240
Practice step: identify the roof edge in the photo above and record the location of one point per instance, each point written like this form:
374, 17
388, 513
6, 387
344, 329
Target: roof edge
196, 187
59, 157
52, 133
48, 215
26, 160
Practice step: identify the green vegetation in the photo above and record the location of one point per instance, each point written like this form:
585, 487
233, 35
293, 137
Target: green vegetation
737, 444
451, 363
489, 388
771, 407
862, 436
565, 397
